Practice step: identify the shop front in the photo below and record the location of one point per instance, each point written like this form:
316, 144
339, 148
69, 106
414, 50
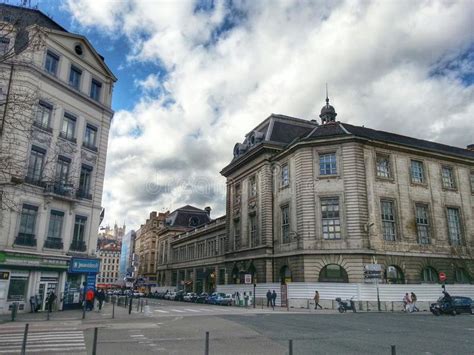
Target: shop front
81, 277
28, 276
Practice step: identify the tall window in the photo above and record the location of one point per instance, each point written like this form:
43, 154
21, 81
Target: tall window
90, 136
237, 194
85, 181
383, 166
62, 170
55, 227
417, 172
69, 127
388, 220
428, 274
237, 238
75, 77
51, 63
454, 226
35, 165
28, 220
285, 224
254, 240
422, 224
96, 87
327, 164
330, 216
285, 175
4, 45
79, 229
447, 175
253, 186
43, 114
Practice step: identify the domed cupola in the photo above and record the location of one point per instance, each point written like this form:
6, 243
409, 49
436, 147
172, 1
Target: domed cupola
328, 113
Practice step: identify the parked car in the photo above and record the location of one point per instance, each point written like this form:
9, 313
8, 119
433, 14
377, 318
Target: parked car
211, 299
170, 296
201, 298
179, 296
138, 294
458, 305
223, 299
189, 297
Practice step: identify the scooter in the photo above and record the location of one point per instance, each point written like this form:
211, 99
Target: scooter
347, 305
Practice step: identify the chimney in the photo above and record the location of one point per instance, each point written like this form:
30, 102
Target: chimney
208, 210
470, 147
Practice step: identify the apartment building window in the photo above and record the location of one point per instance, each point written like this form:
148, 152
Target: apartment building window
55, 227
90, 137
388, 220
75, 77
253, 186
191, 251
285, 175
68, 130
85, 182
26, 232
417, 172
96, 87
62, 170
428, 274
327, 164
330, 215
237, 194
447, 175
237, 237
285, 224
43, 115
253, 231
78, 242
454, 226
4, 45
383, 166
422, 223
51, 63
35, 165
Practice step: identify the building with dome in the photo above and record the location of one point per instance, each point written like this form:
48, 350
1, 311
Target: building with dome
309, 201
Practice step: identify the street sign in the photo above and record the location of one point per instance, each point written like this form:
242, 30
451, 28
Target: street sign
442, 276
373, 267
248, 278
372, 272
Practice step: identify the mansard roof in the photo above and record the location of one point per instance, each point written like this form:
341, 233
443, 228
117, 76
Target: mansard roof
187, 216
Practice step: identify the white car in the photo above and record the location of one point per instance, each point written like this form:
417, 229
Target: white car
170, 296
189, 296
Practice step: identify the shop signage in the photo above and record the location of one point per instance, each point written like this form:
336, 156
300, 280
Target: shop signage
17, 259
248, 278
82, 265
4, 275
90, 282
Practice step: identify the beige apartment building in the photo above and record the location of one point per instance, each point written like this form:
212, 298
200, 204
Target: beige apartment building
55, 117
109, 255
309, 201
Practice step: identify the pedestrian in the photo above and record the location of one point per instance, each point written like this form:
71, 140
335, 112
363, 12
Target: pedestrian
237, 298
316, 300
90, 299
100, 295
413, 302
274, 297
269, 298
407, 303
50, 300
33, 304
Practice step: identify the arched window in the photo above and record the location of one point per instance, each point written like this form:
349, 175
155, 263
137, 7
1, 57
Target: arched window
461, 276
428, 274
394, 275
333, 273
285, 275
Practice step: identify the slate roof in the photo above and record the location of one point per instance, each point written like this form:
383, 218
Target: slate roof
182, 217
28, 17
283, 132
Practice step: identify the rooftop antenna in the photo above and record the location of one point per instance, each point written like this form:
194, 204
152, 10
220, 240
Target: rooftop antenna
327, 95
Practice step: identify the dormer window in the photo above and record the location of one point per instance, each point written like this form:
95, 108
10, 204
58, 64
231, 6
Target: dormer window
193, 221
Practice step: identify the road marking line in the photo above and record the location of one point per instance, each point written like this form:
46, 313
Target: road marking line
177, 310
192, 310
137, 335
159, 310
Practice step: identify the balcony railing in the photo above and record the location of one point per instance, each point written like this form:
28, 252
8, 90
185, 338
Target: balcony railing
53, 243
83, 194
33, 181
89, 146
58, 188
78, 245
25, 239
42, 126
70, 139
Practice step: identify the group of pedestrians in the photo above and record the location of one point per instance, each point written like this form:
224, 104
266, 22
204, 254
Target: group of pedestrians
36, 302
409, 303
271, 298
91, 296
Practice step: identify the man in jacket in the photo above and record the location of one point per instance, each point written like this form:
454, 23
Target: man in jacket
269, 298
274, 297
316, 300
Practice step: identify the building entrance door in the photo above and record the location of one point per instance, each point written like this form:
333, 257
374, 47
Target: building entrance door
45, 288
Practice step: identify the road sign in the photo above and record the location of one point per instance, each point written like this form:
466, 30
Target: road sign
442, 277
248, 278
372, 272
373, 267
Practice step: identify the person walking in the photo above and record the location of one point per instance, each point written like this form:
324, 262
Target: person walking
90, 300
50, 300
33, 304
274, 297
407, 303
413, 302
100, 295
316, 300
269, 298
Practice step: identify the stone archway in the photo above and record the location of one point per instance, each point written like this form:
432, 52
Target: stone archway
285, 275
333, 273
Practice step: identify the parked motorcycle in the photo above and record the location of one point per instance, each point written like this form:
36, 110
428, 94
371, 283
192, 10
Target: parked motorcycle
347, 305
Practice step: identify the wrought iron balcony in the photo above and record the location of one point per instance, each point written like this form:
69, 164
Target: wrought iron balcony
66, 137
25, 239
60, 189
34, 181
89, 146
42, 126
83, 194
53, 243
78, 245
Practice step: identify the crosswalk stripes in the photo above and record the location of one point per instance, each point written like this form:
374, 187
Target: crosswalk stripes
43, 341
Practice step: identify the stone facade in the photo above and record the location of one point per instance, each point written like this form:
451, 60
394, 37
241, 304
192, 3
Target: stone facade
109, 256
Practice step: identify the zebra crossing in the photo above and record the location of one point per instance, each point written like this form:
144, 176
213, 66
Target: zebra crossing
206, 310
50, 341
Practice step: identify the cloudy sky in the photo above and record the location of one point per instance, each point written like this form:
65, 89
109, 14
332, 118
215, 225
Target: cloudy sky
195, 76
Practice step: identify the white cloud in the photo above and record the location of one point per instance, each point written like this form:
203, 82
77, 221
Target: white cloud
378, 58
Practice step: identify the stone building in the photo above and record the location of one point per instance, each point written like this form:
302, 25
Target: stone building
55, 112
109, 255
316, 202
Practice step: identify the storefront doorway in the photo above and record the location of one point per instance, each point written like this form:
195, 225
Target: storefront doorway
46, 286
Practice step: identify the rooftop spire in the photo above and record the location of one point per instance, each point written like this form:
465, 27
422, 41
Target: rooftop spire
328, 113
327, 95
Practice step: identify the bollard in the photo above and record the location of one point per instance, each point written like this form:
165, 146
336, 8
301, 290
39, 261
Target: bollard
83, 309
47, 314
130, 306
113, 310
290, 347
138, 304
25, 336
206, 347
94, 344
394, 350
126, 301
141, 305
14, 310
